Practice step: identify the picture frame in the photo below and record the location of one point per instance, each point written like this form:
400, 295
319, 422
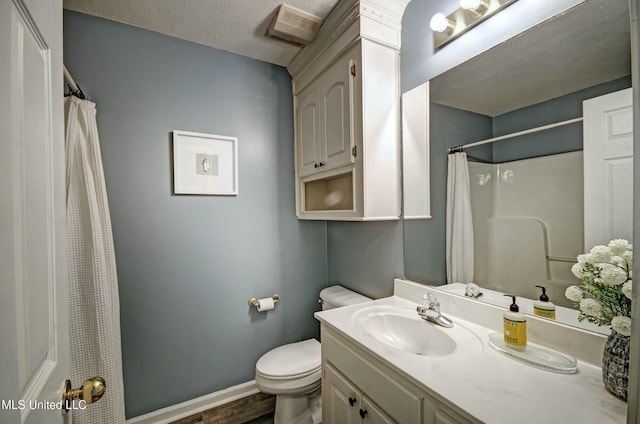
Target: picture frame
205, 164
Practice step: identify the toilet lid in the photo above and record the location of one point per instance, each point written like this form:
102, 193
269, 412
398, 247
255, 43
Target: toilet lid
291, 359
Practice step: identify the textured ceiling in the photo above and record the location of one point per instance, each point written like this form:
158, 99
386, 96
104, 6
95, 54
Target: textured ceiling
585, 46
237, 26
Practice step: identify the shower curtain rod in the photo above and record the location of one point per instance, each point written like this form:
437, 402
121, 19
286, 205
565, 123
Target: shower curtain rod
515, 134
73, 87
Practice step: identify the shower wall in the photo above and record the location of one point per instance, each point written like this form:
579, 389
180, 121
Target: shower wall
528, 224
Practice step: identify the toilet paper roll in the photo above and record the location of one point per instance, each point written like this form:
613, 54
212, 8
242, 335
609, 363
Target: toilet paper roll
265, 304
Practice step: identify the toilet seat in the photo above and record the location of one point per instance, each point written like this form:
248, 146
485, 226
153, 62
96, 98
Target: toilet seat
291, 368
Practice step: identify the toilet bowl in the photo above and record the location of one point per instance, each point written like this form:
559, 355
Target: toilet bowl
293, 372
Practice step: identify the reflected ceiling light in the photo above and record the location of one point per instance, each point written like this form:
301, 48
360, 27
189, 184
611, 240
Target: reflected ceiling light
469, 14
440, 23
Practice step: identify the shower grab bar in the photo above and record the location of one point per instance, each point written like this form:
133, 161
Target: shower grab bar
561, 259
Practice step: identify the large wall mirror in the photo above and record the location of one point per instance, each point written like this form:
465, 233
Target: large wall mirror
527, 192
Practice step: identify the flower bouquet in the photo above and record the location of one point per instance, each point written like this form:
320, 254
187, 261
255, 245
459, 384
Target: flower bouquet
604, 298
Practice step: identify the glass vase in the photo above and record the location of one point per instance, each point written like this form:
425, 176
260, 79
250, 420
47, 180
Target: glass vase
615, 364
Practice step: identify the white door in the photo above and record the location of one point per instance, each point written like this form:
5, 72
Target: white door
34, 359
608, 168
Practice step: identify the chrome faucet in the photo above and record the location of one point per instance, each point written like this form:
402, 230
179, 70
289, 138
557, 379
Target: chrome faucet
431, 311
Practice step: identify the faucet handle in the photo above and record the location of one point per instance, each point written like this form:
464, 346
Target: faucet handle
430, 299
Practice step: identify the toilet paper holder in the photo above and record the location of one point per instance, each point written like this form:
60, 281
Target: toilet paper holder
255, 302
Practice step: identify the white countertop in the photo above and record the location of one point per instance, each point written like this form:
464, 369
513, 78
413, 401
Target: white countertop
490, 386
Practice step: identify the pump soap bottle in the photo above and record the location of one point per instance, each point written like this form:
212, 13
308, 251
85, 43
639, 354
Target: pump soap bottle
543, 307
515, 326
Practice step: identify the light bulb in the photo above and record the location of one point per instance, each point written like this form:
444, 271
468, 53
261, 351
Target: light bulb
440, 23
470, 4
478, 6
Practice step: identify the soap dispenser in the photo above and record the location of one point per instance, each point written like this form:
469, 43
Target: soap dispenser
515, 326
543, 307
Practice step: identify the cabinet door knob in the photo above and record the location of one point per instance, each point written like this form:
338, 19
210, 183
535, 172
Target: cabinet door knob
352, 401
315, 165
363, 412
321, 164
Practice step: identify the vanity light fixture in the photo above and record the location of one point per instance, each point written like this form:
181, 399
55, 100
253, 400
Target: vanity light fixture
469, 14
440, 23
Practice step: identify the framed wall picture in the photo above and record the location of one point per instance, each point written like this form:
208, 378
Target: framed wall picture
205, 164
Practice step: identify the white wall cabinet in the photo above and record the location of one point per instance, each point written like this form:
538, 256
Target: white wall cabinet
346, 115
324, 116
359, 389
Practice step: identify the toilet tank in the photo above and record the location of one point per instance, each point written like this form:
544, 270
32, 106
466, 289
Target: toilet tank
337, 296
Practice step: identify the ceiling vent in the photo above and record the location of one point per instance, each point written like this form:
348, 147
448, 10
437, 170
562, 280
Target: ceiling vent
294, 25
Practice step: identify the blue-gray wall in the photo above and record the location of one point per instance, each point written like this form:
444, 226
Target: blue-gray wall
188, 264
365, 256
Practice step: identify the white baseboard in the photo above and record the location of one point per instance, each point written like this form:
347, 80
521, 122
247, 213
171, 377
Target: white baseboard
193, 406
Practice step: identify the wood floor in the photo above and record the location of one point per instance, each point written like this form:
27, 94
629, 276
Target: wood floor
254, 409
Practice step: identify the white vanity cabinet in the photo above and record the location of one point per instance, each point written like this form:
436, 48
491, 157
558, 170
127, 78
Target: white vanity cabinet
346, 115
347, 405
358, 388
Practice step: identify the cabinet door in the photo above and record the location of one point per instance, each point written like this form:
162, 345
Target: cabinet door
341, 402
436, 414
337, 112
371, 414
308, 129
442, 417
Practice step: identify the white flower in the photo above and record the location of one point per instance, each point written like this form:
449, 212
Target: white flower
573, 293
612, 275
576, 269
591, 307
622, 325
628, 256
619, 246
585, 257
600, 254
626, 289
619, 261
579, 270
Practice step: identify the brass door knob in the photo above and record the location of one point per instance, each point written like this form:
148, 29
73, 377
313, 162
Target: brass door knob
90, 391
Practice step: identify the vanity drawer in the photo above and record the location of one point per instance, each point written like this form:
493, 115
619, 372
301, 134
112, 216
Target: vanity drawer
380, 384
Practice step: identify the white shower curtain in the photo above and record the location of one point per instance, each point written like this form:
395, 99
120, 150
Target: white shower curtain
459, 239
94, 308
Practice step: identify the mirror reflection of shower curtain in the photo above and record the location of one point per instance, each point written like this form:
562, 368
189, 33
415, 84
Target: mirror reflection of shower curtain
94, 306
459, 230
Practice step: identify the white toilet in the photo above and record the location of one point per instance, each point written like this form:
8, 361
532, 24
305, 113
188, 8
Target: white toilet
293, 371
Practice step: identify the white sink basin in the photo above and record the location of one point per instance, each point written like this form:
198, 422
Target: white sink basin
403, 329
